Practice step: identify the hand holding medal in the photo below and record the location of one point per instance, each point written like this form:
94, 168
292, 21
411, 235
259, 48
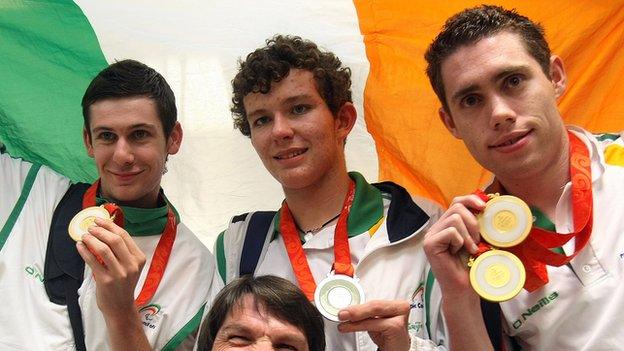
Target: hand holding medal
83, 220
498, 275
508, 225
115, 259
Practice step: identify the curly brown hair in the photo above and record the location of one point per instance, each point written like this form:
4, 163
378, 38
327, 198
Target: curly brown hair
473, 24
273, 62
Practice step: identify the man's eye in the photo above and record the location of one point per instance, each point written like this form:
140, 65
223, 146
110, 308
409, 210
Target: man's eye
261, 121
470, 100
285, 347
300, 109
140, 134
106, 136
239, 340
514, 81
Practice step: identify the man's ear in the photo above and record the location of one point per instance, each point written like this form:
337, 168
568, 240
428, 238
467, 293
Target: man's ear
175, 139
345, 119
558, 75
86, 138
447, 119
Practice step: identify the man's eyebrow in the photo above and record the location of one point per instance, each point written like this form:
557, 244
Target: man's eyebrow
464, 91
290, 338
288, 100
134, 126
236, 327
509, 70
296, 98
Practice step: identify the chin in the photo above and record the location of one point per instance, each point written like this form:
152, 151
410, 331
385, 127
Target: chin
294, 180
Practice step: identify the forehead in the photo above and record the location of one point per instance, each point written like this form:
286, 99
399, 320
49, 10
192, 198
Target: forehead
487, 57
298, 82
121, 113
255, 316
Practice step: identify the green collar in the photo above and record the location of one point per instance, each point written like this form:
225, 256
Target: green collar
145, 221
366, 211
541, 220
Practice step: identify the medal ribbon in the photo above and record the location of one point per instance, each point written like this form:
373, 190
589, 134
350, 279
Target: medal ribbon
535, 251
163, 248
342, 254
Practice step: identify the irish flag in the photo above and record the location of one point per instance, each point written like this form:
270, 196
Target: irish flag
50, 50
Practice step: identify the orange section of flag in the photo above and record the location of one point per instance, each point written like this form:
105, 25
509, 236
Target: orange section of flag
401, 109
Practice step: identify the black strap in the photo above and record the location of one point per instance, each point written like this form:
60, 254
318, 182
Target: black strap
255, 237
492, 317
64, 268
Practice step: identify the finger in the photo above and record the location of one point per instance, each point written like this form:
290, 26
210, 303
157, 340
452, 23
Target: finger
374, 325
103, 251
470, 201
375, 309
114, 242
469, 237
114, 228
448, 241
97, 265
468, 219
450, 234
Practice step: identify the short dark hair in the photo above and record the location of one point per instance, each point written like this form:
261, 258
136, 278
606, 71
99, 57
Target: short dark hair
130, 78
277, 296
273, 62
474, 24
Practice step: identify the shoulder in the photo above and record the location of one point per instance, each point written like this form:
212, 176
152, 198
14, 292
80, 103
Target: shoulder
406, 213
17, 170
231, 242
20, 179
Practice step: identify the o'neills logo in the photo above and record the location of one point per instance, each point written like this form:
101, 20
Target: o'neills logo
534, 309
149, 314
34, 272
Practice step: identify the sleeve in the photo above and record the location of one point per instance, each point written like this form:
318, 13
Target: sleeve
219, 252
18, 181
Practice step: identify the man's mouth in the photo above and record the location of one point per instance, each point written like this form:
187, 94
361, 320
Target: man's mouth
126, 175
290, 154
510, 139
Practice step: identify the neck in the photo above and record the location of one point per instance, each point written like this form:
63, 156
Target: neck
544, 190
314, 205
150, 200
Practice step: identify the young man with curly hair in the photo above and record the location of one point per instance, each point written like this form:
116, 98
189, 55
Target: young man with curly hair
294, 102
498, 84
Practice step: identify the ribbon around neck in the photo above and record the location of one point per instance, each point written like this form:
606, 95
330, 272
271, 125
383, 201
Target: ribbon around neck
535, 251
161, 254
294, 248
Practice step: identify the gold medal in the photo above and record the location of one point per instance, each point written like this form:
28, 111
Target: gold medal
505, 222
84, 219
497, 275
336, 292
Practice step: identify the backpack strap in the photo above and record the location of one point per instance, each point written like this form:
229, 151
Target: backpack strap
491, 312
64, 268
256, 241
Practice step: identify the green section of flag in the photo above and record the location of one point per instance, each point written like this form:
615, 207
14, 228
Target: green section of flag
49, 54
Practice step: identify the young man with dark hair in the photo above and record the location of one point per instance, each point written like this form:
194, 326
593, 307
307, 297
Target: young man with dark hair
264, 311
294, 102
143, 285
498, 84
